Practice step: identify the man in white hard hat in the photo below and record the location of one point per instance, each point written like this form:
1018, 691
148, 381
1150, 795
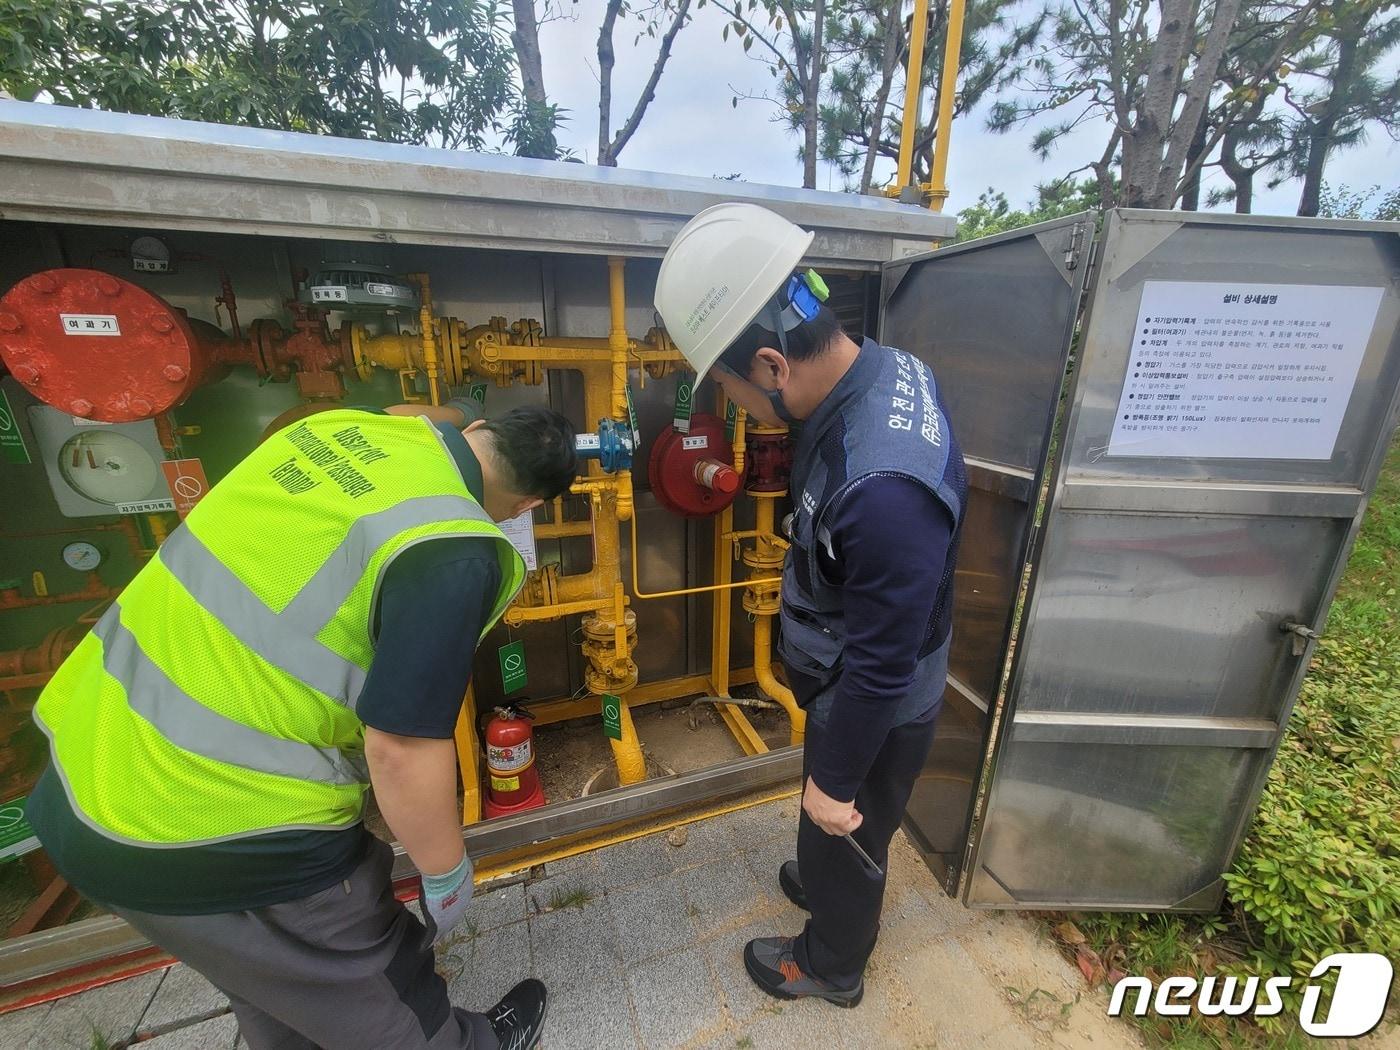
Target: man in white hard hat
879, 491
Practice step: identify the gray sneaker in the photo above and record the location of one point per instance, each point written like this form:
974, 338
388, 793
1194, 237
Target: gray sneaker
773, 967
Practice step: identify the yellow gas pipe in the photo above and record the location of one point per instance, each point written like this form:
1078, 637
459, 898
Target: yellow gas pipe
609, 627
762, 600
429, 340
761, 592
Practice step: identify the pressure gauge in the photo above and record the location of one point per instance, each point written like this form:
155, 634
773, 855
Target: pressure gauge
150, 255
108, 467
82, 556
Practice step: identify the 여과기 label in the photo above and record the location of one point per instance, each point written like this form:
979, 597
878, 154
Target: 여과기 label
90, 324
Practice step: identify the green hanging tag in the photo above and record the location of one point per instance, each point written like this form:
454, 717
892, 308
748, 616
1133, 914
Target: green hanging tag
477, 392
731, 420
16, 836
612, 716
685, 392
512, 659
11, 440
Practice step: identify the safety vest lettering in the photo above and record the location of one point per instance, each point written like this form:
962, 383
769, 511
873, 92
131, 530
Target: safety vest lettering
292, 478
337, 466
355, 443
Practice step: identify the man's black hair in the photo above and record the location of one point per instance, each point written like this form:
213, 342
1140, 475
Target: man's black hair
806, 341
536, 446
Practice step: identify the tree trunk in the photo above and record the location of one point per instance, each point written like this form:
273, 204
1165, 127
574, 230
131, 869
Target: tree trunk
607, 57
1241, 176
1196, 97
811, 96
1320, 131
1244, 193
894, 26
1144, 143
1191, 191
526, 38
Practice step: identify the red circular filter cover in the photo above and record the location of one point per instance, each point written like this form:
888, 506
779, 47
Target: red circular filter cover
674, 476
97, 346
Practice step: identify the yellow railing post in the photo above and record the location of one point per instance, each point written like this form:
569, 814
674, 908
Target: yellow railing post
913, 83
947, 94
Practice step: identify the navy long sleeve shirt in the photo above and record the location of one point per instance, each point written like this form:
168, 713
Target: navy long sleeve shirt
890, 537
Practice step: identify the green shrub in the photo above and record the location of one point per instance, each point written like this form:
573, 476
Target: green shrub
1320, 871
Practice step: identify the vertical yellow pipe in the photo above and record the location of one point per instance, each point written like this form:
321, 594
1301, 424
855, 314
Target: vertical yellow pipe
947, 92
425, 333
468, 758
617, 335
722, 612
913, 82
763, 676
763, 638
617, 344
740, 421
159, 525
627, 752
620, 625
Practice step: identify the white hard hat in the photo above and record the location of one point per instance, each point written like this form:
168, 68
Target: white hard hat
722, 269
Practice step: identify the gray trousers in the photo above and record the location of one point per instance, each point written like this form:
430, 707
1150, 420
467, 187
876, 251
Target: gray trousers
348, 968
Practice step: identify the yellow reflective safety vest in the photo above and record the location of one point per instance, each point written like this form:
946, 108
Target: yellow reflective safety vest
216, 698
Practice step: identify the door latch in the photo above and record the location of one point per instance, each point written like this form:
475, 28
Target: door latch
1302, 634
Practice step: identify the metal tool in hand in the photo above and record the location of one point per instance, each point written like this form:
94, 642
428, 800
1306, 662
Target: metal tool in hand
869, 861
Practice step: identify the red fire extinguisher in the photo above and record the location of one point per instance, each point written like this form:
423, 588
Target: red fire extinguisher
510, 764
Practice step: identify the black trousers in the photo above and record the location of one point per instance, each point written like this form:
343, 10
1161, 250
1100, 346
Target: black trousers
843, 894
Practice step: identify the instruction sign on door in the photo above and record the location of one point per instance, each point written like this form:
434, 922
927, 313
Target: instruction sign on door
1242, 371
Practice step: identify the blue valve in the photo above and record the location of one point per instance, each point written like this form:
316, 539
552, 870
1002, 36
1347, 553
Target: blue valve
611, 446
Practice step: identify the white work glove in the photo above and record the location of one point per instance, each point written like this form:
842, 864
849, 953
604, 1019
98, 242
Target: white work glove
445, 898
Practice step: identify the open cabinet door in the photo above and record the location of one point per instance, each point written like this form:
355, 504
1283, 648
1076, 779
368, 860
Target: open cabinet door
994, 319
1236, 387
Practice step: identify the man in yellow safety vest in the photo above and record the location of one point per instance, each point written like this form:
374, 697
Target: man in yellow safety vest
307, 632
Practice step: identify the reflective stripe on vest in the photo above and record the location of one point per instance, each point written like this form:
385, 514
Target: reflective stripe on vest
228, 599
187, 723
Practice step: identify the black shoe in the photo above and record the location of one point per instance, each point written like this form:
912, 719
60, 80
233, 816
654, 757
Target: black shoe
773, 967
519, 1017
791, 882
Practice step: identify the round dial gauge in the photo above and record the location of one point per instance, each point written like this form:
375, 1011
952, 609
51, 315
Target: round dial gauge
82, 556
150, 255
107, 467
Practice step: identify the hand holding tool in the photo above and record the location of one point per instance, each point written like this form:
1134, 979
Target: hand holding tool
866, 857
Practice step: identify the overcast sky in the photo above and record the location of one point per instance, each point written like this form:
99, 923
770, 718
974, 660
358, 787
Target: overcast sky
691, 128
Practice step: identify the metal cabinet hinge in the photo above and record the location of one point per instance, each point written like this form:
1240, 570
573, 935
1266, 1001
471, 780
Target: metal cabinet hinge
1075, 246
1302, 634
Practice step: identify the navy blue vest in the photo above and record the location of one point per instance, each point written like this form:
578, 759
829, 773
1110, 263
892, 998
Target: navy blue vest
883, 418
